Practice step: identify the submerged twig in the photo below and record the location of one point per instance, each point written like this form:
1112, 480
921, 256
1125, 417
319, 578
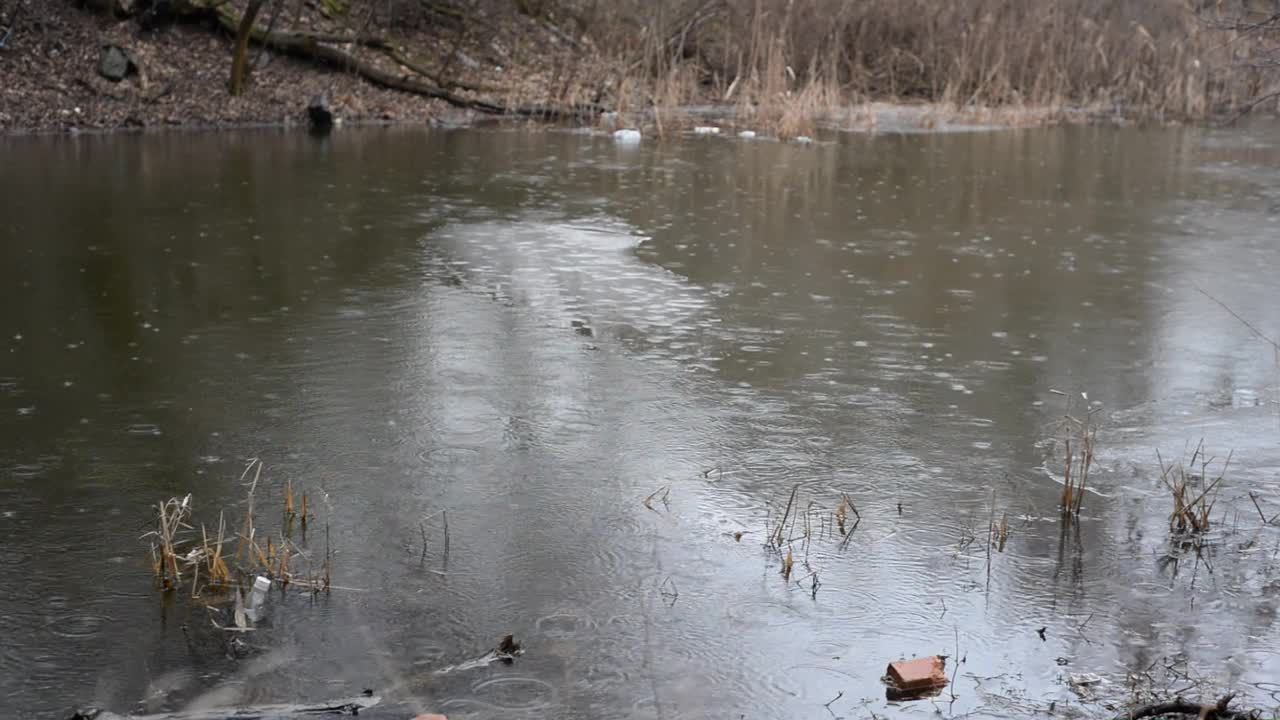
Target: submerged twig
669, 595
422, 530
665, 491
777, 538
1261, 514
846, 506
1261, 335
1216, 711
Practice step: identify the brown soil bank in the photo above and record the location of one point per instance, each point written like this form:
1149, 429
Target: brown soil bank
779, 64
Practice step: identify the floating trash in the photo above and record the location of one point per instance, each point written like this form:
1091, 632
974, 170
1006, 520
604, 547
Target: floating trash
626, 137
257, 598
143, 429
915, 679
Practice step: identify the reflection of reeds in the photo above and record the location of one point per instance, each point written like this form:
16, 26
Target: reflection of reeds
1193, 494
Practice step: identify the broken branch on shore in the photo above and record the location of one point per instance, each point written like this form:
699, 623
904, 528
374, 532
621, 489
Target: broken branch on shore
324, 48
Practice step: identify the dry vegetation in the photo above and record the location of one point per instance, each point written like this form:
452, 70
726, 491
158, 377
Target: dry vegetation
984, 52
182, 556
783, 66
1193, 491
785, 63
1078, 435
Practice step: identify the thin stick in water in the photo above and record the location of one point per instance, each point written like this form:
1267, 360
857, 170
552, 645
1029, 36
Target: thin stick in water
445, 514
422, 529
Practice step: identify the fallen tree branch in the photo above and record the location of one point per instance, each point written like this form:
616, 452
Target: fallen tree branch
1249, 106
320, 48
1179, 706
400, 57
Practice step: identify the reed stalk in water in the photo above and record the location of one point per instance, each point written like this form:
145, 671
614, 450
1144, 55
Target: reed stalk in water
1079, 439
1193, 493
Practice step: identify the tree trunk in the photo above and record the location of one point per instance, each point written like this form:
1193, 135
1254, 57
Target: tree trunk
240, 59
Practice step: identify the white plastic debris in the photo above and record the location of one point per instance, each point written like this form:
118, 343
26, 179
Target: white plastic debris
258, 597
706, 130
626, 136
804, 139
1084, 682
747, 134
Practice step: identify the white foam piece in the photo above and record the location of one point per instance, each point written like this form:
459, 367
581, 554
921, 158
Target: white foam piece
626, 136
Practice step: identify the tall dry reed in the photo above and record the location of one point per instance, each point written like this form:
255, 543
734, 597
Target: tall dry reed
1163, 59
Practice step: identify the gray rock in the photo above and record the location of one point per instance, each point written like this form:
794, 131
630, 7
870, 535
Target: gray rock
114, 63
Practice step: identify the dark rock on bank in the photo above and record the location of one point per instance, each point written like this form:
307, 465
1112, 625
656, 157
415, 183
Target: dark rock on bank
114, 63
320, 114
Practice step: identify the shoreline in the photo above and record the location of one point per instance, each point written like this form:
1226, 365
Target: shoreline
175, 77
882, 117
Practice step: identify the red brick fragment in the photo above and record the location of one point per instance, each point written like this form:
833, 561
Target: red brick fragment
924, 673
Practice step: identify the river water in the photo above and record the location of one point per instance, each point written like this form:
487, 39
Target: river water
602, 364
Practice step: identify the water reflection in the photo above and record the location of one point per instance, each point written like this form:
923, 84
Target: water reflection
535, 331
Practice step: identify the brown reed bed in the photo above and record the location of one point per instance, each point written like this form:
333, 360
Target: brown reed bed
182, 557
785, 64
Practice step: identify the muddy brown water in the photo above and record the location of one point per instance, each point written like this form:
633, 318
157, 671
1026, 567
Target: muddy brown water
535, 331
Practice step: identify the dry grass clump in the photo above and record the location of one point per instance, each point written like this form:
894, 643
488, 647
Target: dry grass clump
1192, 492
180, 556
1079, 438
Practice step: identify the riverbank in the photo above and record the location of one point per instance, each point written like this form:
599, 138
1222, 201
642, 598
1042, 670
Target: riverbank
439, 65
53, 84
